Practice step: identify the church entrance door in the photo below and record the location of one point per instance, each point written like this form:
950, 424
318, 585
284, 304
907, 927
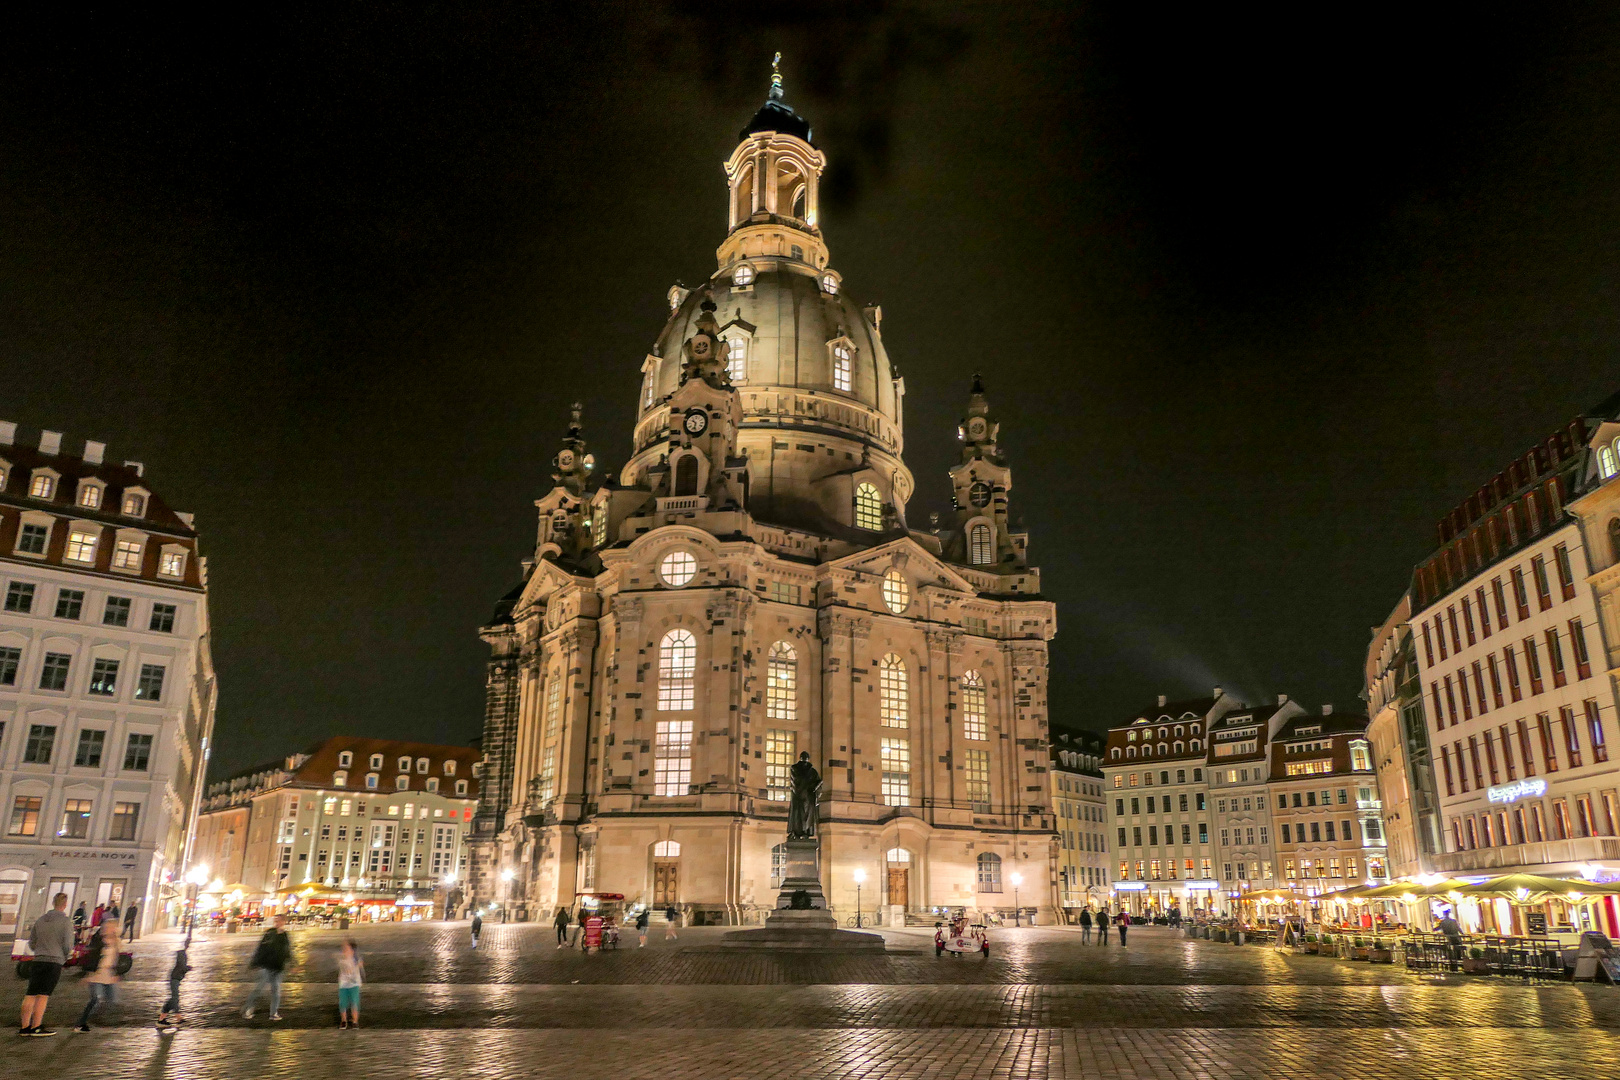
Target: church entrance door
898, 876
666, 883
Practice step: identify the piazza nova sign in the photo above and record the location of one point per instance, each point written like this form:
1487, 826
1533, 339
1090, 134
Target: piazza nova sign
1517, 790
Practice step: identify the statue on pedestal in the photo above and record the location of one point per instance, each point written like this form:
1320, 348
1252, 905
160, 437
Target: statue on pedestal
803, 814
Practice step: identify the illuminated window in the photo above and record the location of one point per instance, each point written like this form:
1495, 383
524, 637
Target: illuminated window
554, 705
990, 872
781, 747
973, 707
647, 390
173, 564
42, 486
672, 757
868, 508
843, 367
90, 497
782, 683
134, 505
978, 780
743, 276
547, 786
737, 359
896, 593
829, 284
677, 663
81, 546
896, 754
599, 523
981, 545
127, 555
678, 568
892, 692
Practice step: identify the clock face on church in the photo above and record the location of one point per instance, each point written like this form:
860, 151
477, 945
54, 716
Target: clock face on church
979, 494
697, 421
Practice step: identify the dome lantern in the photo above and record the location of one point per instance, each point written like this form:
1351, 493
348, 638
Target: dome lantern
774, 178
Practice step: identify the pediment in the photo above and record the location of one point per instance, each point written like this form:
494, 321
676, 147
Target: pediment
917, 561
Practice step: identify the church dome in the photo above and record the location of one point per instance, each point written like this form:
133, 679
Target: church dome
786, 331
774, 115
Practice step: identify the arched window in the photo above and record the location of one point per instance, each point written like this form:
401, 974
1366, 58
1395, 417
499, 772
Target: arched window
782, 683
1130, 751
1147, 751
843, 367
896, 593
1115, 753
981, 545
677, 662
973, 707
1606, 462
1197, 745
989, 872
1164, 748
737, 359
868, 508
667, 849
554, 704
1178, 747
778, 865
686, 475
892, 692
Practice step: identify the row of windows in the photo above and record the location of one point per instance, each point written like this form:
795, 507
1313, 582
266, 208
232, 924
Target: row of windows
84, 543
1151, 870
735, 351
43, 484
1083, 841
1324, 832
402, 782
1501, 743
1194, 746
54, 672
346, 759
1523, 519
1457, 623
1169, 834
1446, 695
20, 597
1160, 805
1529, 824
1164, 777
75, 822
40, 747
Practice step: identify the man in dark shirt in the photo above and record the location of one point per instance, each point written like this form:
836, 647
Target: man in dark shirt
270, 958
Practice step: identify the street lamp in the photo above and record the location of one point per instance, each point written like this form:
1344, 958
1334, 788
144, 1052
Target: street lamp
196, 879
860, 876
1017, 880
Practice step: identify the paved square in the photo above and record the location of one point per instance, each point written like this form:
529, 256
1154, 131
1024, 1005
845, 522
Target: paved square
1043, 1005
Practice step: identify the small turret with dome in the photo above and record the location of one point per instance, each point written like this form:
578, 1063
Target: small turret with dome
980, 485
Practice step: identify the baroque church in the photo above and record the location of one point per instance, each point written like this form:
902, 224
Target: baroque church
749, 587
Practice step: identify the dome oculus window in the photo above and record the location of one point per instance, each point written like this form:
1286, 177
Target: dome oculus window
829, 284
677, 568
843, 367
743, 276
896, 593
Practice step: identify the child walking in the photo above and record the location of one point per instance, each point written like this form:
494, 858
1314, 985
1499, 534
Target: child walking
170, 1014
351, 973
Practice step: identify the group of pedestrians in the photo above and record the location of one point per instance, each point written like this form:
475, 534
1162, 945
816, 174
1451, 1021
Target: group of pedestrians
92, 920
1100, 920
562, 920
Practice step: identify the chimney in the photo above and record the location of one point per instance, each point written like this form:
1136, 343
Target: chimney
93, 451
1327, 710
140, 470
1162, 700
8, 432
1218, 691
50, 442
1282, 699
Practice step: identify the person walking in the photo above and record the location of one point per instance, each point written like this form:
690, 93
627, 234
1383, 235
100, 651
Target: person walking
131, 921
672, 921
101, 961
1102, 926
97, 915
561, 922
1085, 926
51, 941
270, 958
170, 1016
1123, 921
1454, 936
351, 973
81, 918
477, 927
579, 924
641, 927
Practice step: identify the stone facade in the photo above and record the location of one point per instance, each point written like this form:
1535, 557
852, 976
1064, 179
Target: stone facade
1082, 819
747, 588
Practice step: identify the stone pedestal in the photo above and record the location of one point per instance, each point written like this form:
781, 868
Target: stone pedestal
801, 920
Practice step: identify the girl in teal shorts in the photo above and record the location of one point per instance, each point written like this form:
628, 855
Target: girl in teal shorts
351, 973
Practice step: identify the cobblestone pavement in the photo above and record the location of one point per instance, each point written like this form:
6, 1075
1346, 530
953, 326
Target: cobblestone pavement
1042, 1006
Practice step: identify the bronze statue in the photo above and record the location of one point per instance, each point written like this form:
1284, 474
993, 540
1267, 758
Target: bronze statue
802, 811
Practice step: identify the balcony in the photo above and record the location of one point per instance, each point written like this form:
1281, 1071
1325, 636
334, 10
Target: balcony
1521, 856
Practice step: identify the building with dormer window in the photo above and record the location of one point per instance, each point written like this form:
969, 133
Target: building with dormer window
748, 586
107, 689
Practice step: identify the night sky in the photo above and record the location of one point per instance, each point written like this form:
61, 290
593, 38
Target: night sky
1257, 301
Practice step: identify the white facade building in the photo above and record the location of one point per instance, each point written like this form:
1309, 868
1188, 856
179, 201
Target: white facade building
107, 687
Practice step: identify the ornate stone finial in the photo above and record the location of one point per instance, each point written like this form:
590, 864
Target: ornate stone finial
776, 78
574, 425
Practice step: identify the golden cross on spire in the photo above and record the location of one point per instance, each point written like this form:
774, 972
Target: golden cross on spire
776, 76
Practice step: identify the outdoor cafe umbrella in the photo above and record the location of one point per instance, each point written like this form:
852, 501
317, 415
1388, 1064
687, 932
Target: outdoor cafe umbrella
1524, 886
